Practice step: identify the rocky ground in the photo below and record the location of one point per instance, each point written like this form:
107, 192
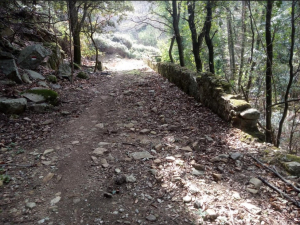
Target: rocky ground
128, 147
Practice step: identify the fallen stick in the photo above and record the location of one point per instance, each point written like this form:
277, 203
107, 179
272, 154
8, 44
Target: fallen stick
296, 203
277, 174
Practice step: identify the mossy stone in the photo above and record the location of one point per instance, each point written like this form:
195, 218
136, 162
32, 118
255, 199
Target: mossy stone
49, 95
250, 136
52, 79
82, 75
226, 86
291, 157
239, 105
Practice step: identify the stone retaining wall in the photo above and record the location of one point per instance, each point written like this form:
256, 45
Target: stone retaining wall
211, 91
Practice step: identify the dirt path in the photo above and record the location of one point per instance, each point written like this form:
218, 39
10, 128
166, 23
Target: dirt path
89, 175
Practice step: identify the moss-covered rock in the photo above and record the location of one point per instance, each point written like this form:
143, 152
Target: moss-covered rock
49, 95
56, 57
254, 136
290, 157
99, 66
52, 79
292, 167
239, 105
82, 75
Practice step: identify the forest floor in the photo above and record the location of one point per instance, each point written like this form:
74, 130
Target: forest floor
129, 147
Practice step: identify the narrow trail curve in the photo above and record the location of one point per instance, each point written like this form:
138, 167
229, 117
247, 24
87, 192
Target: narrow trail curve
138, 111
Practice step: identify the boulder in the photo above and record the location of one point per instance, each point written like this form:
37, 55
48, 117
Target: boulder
34, 97
52, 79
239, 105
43, 84
10, 69
32, 56
65, 71
250, 114
99, 66
49, 95
34, 75
56, 57
6, 32
13, 106
82, 75
293, 168
43, 107
6, 55
26, 78
7, 82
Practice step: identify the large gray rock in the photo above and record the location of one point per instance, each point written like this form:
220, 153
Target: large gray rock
13, 106
293, 168
7, 82
32, 56
250, 114
65, 71
141, 155
26, 78
10, 69
57, 56
6, 55
43, 107
34, 97
6, 32
34, 75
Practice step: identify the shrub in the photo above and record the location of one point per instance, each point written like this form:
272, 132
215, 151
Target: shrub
106, 45
123, 39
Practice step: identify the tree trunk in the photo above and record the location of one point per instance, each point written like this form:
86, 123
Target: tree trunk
231, 45
76, 27
70, 2
258, 40
287, 92
77, 47
195, 42
176, 16
170, 49
269, 72
243, 44
208, 40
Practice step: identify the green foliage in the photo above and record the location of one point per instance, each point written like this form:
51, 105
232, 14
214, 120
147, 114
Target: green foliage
122, 39
105, 44
5, 178
148, 36
118, 44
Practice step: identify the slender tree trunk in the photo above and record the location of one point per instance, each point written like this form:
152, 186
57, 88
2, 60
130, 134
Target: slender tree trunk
252, 63
208, 40
269, 72
249, 83
70, 35
97, 52
73, 17
76, 27
176, 17
231, 44
77, 47
170, 49
243, 44
195, 42
286, 96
